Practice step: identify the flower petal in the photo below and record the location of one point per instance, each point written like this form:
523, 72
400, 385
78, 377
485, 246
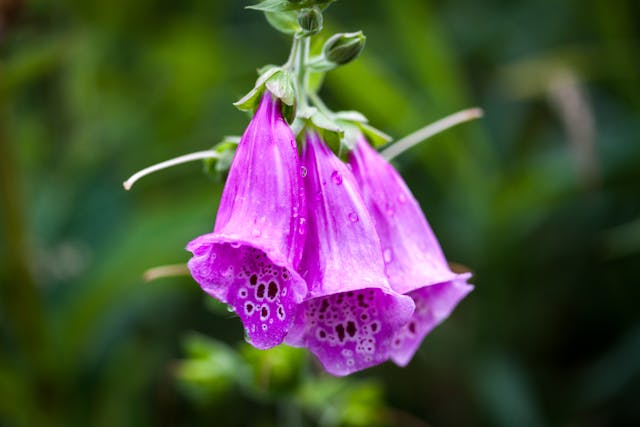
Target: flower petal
415, 264
250, 260
351, 313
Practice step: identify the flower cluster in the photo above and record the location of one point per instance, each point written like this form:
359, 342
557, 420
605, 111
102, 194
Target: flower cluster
318, 253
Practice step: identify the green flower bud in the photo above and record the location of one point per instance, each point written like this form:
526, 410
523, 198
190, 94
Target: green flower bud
310, 20
343, 48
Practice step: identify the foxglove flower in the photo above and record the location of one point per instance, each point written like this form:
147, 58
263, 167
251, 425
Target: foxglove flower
414, 262
250, 259
351, 314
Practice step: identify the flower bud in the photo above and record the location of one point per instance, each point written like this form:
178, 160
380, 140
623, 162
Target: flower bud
343, 48
310, 20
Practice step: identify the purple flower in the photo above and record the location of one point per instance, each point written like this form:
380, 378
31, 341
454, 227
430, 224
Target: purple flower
250, 259
350, 315
415, 264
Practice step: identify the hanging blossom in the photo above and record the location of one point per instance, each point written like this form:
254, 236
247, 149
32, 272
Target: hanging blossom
250, 259
350, 315
414, 262
334, 257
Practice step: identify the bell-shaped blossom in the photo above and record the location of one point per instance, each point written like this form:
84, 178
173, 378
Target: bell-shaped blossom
414, 262
250, 259
350, 315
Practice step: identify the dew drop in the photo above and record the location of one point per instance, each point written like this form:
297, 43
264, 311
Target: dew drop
235, 245
353, 217
387, 255
390, 209
302, 225
303, 171
336, 177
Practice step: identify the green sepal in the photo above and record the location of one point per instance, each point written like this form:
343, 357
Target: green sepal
278, 81
375, 136
350, 136
286, 21
217, 168
250, 101
274, 6
351, 116
328, 129
286, 5
282, 86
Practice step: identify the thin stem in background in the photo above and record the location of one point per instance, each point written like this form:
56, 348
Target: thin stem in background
198, 155
430, 130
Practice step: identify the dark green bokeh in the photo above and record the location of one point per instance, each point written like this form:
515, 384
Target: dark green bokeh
541, 199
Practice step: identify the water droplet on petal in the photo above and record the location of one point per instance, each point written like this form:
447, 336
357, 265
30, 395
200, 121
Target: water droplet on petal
353, 217
390, 209
336, 177
255, 232
302, 229
387, 255
402, 198
303, 171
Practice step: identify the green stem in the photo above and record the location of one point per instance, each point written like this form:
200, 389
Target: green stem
319, 103
301, 72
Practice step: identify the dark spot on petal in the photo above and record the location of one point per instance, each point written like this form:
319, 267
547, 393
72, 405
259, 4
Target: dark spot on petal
364, 316
350, 293
253, 280
324, 306
412, 327
248, 308
260, 290
264, 312
272, 292
340, 331
280, 311
360, 297
351, 328
322, 334
374, 327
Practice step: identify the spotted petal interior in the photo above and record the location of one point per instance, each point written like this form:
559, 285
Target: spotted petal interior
351, 331
259, 291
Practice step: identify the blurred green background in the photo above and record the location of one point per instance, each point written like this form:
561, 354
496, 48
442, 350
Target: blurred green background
541, 199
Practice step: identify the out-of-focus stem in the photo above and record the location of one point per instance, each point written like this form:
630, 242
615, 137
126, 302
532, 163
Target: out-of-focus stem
402, 145
198, 155
19, 294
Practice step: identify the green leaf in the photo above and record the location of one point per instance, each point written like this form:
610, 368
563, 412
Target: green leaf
375, 136
285, 22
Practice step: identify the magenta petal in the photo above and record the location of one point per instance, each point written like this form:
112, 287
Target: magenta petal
250, 260
433, 305
415, 264
351, 314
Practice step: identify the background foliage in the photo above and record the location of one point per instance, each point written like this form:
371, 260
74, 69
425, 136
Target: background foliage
540, 199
